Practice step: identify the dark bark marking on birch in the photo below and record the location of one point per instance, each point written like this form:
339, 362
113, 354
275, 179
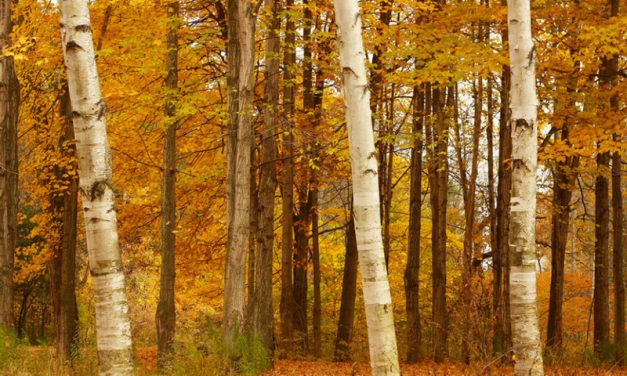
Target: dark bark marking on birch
72, 45
348, 70
83, 28
102, 111
104, 267
522, 123
519, 164
98, 189
530, 56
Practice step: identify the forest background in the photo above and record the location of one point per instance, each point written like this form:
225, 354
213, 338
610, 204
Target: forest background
413, 47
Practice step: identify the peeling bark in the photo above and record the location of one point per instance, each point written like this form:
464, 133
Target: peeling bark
525, 330
113, 328
376, 288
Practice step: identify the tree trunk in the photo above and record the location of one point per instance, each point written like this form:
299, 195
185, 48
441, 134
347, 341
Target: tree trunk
166, 312
502, 324
252, 236
9, 105
469, 213
563, 180
349, 293
601, 255
377, 298
525, 331
232, 88
315, 242
301, 262
619, 283
262, 310
287, 183
63, 265
611, 72
235, 274
412, 271
315, 256
490, 146
439, 180
113, 328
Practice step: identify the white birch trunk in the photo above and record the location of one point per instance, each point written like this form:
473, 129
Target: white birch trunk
525, 332
113, 328
377, 298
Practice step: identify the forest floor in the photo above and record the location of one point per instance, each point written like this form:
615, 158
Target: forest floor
322, 368
37, 360
147, 358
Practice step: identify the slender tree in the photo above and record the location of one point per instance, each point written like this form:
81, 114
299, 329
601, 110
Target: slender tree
501, 307
609, 71
437, 135
287, 182
9, 104
563, 182
262, 309
377, 298
63, 264
619, 282
235, 270
113, 329
166, 312
525, 331
346, 320
412, 271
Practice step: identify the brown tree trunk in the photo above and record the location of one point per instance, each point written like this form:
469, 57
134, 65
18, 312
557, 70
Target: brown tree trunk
439, 184
563, 180
490, 146
252, 235
617, 209
502, 325
602, 217
315, 242
349, 293
9, 105
469, 187
63, 264
315, 256
601, 255
235, 319
166, 312
619, 282
412, 271
301, 265
232, 88
287, 183
263, 325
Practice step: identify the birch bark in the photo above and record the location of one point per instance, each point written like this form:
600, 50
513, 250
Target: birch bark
113, 328
525, 332
377, 298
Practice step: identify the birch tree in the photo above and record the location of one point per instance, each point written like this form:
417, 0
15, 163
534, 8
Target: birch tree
9, 103
523, 102
376, 289
113, 328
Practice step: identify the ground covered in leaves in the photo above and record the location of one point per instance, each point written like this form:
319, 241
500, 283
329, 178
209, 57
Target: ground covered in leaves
320, 368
